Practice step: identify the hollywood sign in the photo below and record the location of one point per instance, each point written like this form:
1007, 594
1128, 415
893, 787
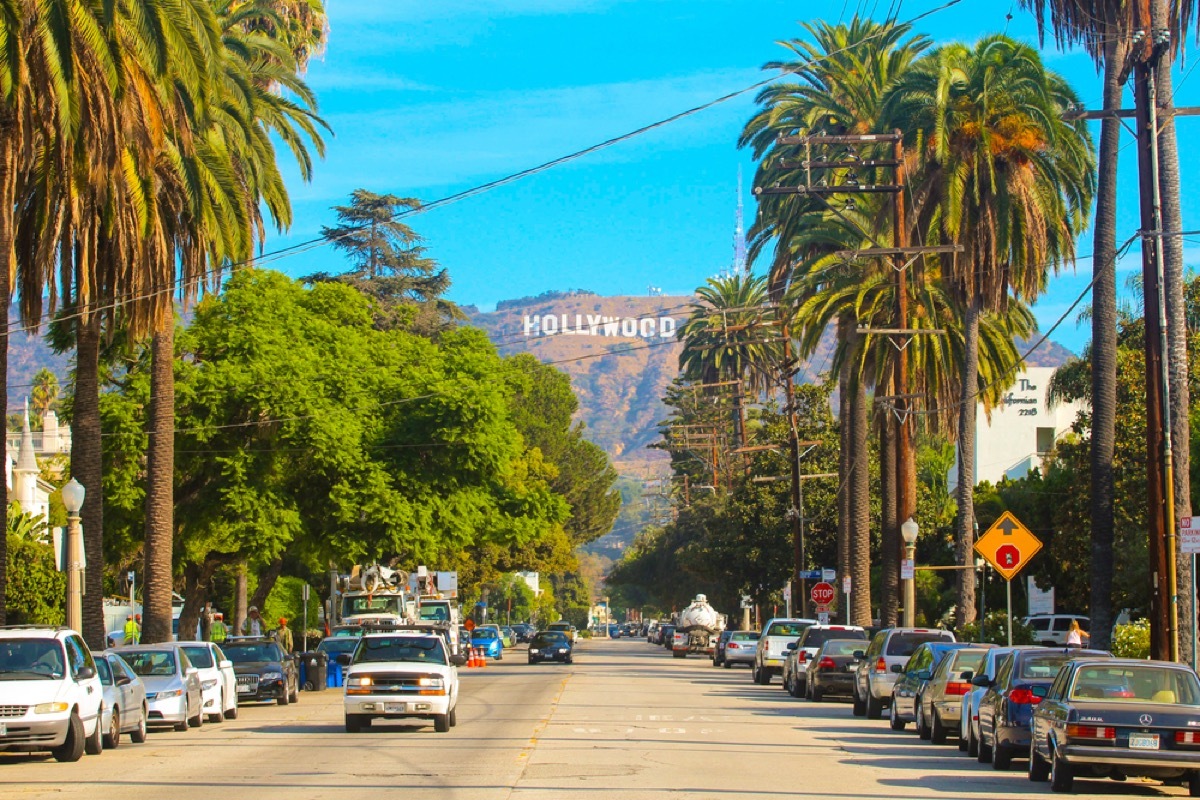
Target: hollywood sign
599, 325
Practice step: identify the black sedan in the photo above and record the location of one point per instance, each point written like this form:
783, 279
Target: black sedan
1118, 718
264, 672
831, 670
550, 646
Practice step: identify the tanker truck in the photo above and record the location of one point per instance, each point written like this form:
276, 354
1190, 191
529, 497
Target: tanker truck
697, 628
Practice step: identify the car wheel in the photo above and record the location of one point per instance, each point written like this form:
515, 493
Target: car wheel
874, 706
284, 698
94, 744
860, 706
532, 660
72, 748
922, 726
983, 752
499, 656
355, 723
181, 726
112, 739
726, 664
198, 720
937, 731
1062, 777
962, 744
817, 694
972, 742
231, 713
441, 723
219, 716
765, 676
138, 734
454, 717
1039, 770
1002, 757
679, 653
294, 697
894, 720
1193, 784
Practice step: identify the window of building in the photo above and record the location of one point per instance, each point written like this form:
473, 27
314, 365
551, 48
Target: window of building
1045, 440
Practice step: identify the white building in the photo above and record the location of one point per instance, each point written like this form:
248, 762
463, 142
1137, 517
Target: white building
52, 440
532, 580
22, 476
1022, 431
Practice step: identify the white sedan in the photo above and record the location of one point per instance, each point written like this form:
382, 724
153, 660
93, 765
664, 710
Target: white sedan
218, 684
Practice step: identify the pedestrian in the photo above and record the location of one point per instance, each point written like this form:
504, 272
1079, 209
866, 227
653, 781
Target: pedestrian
133, 631
218, 631
253, 626
284, 636
1075, 635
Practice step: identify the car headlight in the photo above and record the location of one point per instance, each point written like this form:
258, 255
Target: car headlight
430, 683
50, 708
359, 680
533, 651
562, 650
168, 694
272, 676
208, 684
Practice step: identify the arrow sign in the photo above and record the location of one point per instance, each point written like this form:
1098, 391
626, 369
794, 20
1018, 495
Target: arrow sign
1008, 546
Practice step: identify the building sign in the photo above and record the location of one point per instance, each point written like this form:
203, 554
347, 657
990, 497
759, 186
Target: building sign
599, 325
1025, 398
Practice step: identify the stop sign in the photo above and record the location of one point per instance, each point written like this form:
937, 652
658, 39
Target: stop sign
1008, 555
822, 594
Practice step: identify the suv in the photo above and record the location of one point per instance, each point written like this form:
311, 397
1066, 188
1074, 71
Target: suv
402, 675
264, 672
1050, 630
773, 646
882, 661
50, 693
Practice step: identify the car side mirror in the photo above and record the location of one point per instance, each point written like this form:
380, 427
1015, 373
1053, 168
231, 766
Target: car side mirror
982, 681
898, 669
791, 645
859, 655
458, 660
924, 674
226, 664
344, 659
86, 673
1040, 692
124, 680
967, 676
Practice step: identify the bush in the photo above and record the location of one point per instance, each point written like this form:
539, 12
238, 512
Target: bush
1132, 640
36, 591
996, 630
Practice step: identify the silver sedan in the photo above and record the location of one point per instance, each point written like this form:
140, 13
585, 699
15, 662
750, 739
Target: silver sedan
173, 691
125, 709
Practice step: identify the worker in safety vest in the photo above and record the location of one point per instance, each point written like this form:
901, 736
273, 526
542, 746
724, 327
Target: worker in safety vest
133, 631
217, 630
284, 636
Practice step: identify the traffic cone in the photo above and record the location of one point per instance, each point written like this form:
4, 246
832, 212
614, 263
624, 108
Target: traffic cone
471, 658
482, 658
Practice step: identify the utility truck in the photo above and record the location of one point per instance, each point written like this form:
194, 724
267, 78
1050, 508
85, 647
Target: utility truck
697, 629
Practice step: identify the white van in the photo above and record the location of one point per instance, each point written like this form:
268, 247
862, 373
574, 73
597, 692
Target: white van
1050, 630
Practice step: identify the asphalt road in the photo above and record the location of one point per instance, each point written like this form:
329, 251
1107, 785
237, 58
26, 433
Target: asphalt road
625, 721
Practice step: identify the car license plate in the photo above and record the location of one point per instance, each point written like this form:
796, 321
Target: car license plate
1143, 741
394, 708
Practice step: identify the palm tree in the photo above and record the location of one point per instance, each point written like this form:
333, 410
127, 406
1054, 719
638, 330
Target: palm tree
1004, 176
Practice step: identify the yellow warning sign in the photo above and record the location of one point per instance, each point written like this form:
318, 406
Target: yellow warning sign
1008, 545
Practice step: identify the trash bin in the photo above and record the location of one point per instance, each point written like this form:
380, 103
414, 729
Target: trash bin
313, 668
333, 676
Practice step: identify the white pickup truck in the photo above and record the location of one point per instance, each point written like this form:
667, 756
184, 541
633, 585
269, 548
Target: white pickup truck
402, 675
772, 648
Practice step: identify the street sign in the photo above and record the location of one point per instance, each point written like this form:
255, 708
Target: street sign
822, 594
1008, 546
846, 585
828, 575
907, 569
469, 624
822, 617
787, 592
810, 574
746, 602
1189, 535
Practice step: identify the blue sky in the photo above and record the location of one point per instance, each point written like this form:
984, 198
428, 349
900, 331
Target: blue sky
432, 97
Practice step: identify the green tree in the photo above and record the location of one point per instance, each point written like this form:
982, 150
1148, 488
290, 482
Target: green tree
35, 590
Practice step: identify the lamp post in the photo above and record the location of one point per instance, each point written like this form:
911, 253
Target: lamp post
72, 495
909, 530
981, 565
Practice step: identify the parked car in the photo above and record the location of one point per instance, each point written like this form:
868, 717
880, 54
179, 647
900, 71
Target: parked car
968, 735
51, 693
508, 636
831, 670
402, 676
718, 656
567, 628
911, 680
666, 634
1117, 718
772, 646
740, 649
335, 646
525, 631
653, 634
796, 663
173, 692
875, 675
550, 646
217, 679
941, 700
488, 640
1006, 708
125, 708
264, 672
1050, 630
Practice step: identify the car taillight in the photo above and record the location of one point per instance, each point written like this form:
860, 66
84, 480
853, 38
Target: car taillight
1023, 697
732, 646
881, 665
957, 688
1090, 732
1187, 737
801, 656
826, 663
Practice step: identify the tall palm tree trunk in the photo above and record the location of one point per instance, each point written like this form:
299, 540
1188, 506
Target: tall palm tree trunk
1177, 335
1104, 355
87, 467
160, 469
889, 522
860, 508
964, 534
8, 190
845, 463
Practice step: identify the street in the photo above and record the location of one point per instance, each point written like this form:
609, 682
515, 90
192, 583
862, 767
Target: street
626, 720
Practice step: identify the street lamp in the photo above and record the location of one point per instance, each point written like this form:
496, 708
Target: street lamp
981, 565
909, 530
72, 495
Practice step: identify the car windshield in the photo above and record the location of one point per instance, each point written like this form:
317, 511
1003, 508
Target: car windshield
1147, 684
31, 659
484, 633
548, 638
787, 628
337, 646
151, 662
817, 637
365, 604
435, 613
905, 644
421, 649
201, 657
560, 626
842, 647
1042, 666
251, 652
104, 671
745, 636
